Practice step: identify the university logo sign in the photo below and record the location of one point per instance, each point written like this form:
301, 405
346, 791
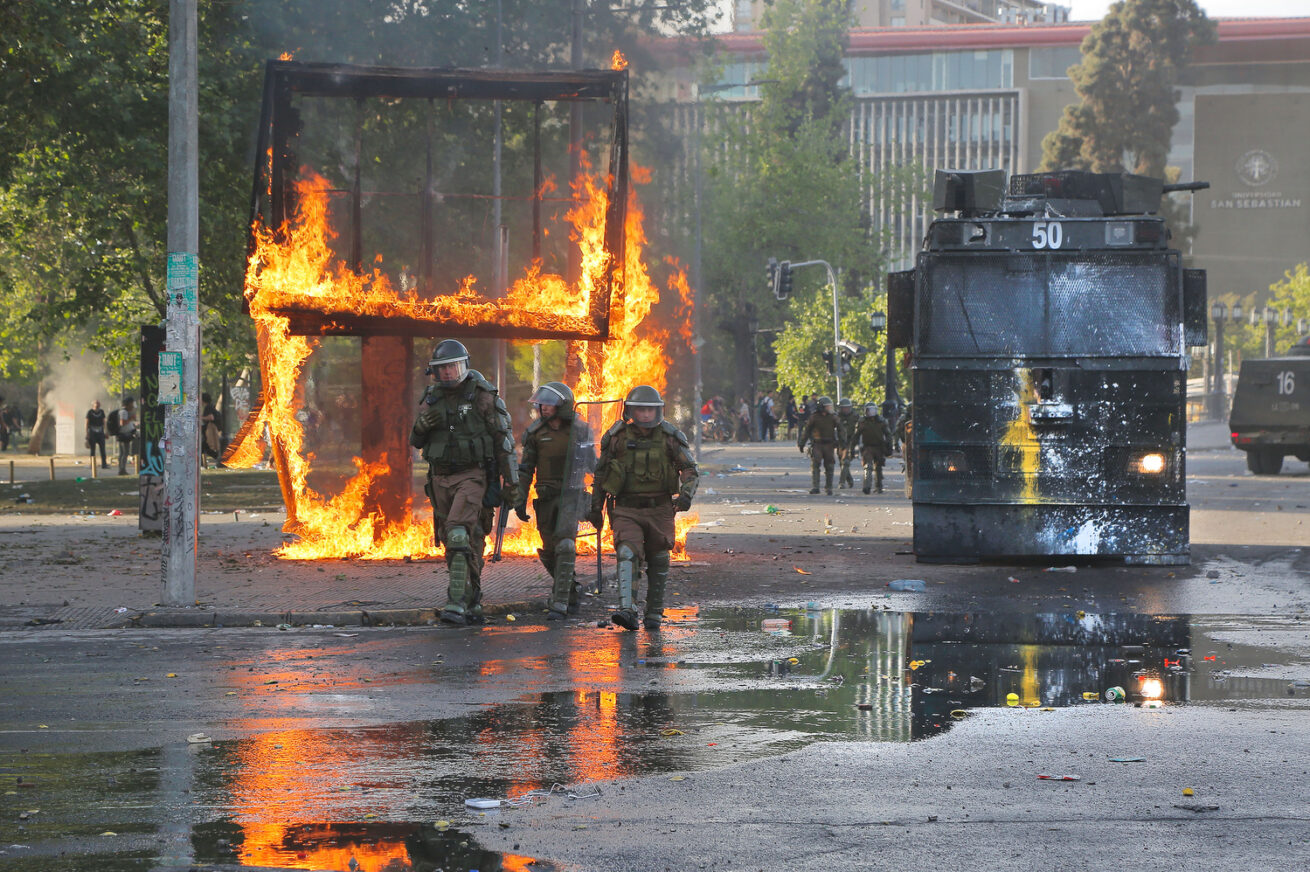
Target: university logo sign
1257, 168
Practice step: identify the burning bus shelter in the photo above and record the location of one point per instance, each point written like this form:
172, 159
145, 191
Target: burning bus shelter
382, 210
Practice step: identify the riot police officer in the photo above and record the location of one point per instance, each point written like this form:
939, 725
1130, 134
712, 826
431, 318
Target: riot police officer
874, 439
644, 462
822, 432
846, 421
559, 451
464, 432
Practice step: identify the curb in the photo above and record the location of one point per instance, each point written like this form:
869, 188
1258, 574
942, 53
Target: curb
184, 618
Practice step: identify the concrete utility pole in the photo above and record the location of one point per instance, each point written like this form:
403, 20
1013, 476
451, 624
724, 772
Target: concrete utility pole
181, 431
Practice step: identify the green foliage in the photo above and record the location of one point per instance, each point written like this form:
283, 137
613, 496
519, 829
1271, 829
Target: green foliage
83, 147
1127, 79
800, 348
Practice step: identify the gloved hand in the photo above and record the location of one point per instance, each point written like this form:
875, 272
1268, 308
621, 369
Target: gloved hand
522, 511
430, 418
800, 448
681, 503
595, 518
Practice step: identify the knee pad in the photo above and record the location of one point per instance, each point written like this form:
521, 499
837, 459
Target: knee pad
624, 553
457, 538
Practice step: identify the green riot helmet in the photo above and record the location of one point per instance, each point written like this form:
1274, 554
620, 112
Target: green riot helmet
644, 397
845, 405
555, 394
870, 410
825, 403
449, 351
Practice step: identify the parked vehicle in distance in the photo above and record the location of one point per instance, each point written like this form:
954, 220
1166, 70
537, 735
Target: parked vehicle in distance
1270, 419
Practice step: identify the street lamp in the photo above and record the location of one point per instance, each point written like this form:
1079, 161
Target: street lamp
1271, 321
1219, 313
878, 321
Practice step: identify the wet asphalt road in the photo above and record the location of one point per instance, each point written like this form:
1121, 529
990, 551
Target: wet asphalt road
754, 733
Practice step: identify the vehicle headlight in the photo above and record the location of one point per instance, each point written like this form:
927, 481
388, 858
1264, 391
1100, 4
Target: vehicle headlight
947, 462
1152, 688
1149, 464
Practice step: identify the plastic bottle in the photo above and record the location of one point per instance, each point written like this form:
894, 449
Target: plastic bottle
909, 584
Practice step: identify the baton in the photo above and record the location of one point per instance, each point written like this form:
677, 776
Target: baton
502, 518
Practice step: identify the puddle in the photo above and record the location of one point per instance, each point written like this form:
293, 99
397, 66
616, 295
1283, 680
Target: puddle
766, 682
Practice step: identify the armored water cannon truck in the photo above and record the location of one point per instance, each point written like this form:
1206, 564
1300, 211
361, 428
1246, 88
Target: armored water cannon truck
1049, 323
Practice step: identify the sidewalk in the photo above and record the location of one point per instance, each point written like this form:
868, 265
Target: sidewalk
88, 572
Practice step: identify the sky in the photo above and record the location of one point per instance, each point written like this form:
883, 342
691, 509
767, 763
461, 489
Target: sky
1093, 10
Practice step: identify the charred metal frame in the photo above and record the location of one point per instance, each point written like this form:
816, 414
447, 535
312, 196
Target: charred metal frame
387, 342
272, 199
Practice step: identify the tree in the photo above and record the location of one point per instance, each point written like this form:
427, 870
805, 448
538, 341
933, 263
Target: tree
1132, 63
781, 183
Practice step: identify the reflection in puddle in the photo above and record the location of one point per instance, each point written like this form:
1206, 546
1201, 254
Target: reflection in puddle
352, 798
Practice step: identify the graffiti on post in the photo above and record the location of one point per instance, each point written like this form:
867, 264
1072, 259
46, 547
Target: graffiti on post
150, 460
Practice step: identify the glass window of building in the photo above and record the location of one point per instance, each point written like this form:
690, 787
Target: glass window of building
1052, 62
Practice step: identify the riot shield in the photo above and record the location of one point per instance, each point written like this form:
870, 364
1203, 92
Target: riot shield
580, 462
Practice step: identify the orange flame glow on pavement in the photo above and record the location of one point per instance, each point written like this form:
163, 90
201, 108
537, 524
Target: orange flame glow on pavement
298, 269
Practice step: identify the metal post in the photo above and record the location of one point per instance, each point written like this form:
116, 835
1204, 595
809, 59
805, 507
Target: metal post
1219, 387
836, 330
696, 278
181, 430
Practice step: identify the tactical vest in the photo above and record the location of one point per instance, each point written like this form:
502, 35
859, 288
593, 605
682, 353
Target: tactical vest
848, 423
874, 434
639, 463
459, 438
823, 428
552, 454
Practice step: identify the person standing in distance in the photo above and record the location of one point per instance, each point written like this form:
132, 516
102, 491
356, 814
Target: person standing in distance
559, 451
846, 420
95, 432
822, 433
126, 432
644, 462
874, 439
464, 433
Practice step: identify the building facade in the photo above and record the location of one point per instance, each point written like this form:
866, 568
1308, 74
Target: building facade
984, 96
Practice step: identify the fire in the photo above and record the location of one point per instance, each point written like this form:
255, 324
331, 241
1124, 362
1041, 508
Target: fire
298, 269
618, 61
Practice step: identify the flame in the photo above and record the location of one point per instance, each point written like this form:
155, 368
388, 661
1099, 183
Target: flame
285, 56
618, 61
298, 269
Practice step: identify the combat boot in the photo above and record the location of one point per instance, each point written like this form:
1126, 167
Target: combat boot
626, 616
814, 480
657, 575
827, 482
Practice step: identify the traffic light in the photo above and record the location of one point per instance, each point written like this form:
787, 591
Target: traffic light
771, 271
827, 361
782, 290
846, 357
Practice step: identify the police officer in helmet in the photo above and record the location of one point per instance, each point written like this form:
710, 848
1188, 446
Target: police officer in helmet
645, 475
464, 432
874, 438
559, 451
846, 420
822, 433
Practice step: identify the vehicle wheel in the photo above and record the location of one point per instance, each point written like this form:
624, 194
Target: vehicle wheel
1273, 461
1255, 461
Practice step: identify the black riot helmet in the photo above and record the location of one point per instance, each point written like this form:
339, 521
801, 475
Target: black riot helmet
449, 351
644, 396
555, 394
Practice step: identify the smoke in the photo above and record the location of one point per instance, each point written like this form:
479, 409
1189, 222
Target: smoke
73, 384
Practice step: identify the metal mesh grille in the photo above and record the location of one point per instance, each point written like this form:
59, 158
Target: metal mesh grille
1084, 305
